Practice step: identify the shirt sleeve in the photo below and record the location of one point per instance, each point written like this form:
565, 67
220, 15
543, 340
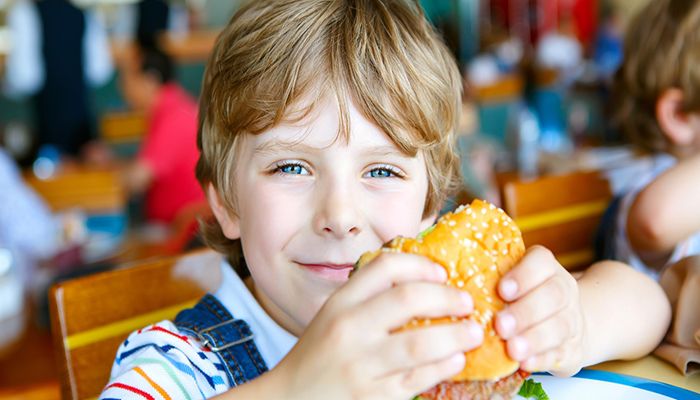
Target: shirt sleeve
159, 361
98, 67
24, 66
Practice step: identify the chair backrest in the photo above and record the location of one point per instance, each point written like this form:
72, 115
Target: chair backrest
92, 315
561, 212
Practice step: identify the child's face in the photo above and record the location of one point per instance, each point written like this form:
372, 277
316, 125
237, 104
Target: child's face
309, 205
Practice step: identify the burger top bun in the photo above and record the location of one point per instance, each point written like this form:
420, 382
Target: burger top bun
476, 244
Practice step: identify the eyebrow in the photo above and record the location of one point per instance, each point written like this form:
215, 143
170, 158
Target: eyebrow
278, 145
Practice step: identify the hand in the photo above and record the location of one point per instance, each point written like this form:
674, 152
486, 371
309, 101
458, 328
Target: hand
352, 348
543, 324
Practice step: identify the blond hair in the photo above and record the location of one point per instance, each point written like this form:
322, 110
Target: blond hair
662, 51
381, 54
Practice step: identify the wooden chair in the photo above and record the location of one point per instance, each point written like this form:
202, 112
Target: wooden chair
560, 212
92, 315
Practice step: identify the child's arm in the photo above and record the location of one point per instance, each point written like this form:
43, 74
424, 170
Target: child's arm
665, 212
561, 324
352, 350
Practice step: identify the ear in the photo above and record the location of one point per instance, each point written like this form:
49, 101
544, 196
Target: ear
674, 122
428, 221
227, 220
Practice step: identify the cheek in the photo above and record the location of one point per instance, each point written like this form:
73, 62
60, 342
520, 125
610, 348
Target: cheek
272, 216
399, 213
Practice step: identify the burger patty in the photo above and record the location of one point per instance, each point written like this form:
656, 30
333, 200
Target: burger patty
503, 389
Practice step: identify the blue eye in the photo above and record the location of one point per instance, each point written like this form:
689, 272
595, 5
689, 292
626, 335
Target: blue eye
384, 172
380, 173
292, 169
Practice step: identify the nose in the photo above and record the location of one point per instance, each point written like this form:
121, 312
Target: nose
338, 214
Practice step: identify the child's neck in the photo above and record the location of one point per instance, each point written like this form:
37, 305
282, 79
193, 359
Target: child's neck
272, 310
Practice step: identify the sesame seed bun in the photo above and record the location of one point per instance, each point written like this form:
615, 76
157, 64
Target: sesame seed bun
476, 244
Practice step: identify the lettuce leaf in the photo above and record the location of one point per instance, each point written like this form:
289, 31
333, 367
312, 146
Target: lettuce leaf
426, 231
532, 390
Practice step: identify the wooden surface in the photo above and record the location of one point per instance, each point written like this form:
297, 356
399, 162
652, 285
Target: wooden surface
560, 212
195, 46
49, 390
655, 369
28, 367
91, 316
507, 88
90, 190
122, 127
192, 47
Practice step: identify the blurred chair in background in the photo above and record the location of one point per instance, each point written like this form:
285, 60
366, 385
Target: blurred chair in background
561, 212
92, 315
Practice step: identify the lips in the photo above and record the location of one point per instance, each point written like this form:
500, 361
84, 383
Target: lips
330, 271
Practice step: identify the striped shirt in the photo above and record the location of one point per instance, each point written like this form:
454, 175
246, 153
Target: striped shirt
160, 362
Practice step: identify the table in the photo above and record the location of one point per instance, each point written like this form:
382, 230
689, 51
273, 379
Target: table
652, 368
91, 190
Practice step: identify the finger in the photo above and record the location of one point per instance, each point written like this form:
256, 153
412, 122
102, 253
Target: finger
541, 338
397, 306
543, 362
421, 346
407, 384
536, 266
533, 308
389, 269
557, 361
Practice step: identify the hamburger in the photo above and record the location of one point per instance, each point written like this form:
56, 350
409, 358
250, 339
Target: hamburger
476, 244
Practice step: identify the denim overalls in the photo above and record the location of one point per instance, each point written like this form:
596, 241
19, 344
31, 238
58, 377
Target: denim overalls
229, 338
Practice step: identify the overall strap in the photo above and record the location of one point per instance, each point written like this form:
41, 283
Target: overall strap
229, 338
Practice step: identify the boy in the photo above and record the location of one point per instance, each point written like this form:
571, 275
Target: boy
657, 222
327, 129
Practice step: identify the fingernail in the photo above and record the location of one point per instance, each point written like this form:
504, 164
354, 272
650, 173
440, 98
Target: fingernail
476, 332
518, 348
506, 324
508, 289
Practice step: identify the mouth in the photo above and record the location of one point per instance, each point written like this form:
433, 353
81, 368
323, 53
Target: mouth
329, 271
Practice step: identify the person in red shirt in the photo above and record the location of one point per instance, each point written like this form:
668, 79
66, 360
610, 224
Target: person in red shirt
164, 167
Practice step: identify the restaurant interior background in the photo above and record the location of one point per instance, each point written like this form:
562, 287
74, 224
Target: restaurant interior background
536, 72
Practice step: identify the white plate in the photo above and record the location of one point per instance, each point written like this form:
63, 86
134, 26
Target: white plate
603, 385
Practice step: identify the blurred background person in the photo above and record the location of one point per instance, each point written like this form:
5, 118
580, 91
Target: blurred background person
164, 167
27, 227
58, 51
28, 234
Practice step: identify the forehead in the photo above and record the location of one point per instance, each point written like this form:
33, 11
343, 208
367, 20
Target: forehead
321, 129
